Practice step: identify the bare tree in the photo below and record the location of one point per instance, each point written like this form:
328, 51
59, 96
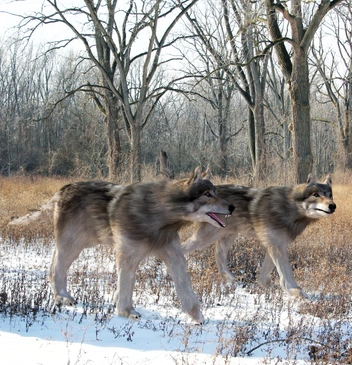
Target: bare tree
24, 82
294, 66
235, 45
164, 169
335, 69
34, 138
278, 135
120, 40
217, 90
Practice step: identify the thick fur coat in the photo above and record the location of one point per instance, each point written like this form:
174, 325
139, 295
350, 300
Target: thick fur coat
138, 220
275, 215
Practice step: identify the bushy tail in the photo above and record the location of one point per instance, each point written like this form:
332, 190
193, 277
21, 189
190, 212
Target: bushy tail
42, 215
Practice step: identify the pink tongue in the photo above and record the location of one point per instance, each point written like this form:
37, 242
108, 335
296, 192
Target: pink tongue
216, 218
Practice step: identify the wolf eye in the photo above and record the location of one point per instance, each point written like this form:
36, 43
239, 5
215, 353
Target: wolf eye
316, 195
207, 194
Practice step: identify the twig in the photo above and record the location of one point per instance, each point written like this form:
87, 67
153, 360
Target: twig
288, 339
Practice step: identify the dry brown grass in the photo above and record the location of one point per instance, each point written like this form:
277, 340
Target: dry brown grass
18, 196
322, 256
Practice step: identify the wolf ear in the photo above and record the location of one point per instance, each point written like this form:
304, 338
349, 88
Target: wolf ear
311, 179
328, 180
197, 175
207, 173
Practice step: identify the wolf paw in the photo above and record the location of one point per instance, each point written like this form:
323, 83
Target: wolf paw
65, 300
227, 276
132, 314
199, 321
265, 282
297, 293
196, 315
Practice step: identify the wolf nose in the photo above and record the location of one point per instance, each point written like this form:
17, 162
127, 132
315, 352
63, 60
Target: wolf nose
231, 208
332, 207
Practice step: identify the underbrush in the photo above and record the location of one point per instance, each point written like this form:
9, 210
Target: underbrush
253, 319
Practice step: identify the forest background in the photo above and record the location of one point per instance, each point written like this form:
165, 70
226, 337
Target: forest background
258, 89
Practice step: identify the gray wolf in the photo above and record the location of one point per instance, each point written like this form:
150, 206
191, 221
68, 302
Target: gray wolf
138, 220
275, 215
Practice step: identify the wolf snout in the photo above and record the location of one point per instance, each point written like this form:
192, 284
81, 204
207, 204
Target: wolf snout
231, 208
332, 207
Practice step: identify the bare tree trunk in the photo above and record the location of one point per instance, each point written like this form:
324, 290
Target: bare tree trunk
251, 137
260, 158
164, 170
113, 136
222, 125
295, 71
348, 120
252, 78
301, 124
135, 151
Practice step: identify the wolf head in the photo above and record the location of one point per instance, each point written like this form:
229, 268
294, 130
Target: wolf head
204, 204
317, 201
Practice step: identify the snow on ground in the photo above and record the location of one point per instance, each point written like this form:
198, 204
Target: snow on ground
243, 328
162, 336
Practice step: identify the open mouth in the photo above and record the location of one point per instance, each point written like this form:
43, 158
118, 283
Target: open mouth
216, 219
325, 211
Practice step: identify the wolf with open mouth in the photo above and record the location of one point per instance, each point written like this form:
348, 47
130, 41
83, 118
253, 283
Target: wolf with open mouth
138, 220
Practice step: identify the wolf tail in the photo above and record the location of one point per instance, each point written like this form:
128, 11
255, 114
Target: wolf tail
42, 215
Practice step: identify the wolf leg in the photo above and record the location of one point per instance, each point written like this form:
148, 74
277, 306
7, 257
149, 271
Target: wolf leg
221, 253
265, 271
127, 261
176, 264
204, 235
60, 263
279, 256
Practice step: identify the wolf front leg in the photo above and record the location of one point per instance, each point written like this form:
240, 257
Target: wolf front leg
176, 264
276, 244
204, 235
128, 259
221, 254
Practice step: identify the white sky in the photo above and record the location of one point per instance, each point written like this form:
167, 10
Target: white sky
27, 7
8, 7
53, 31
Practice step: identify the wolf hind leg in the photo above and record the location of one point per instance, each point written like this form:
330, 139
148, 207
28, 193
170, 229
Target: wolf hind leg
176, 264
60, 263
267, 267
221, 254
